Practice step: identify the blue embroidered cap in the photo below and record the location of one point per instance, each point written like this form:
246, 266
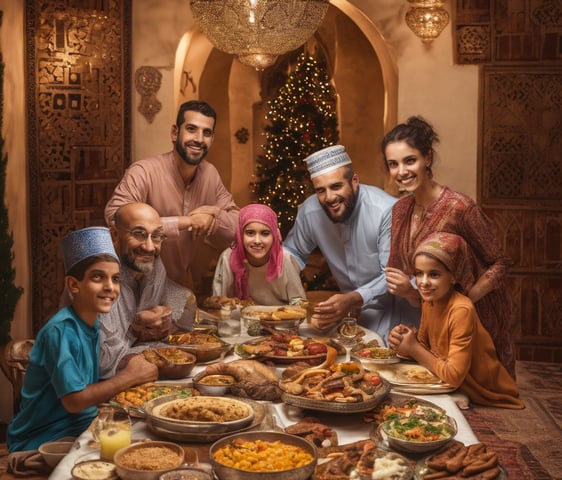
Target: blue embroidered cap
84, 243
326, 160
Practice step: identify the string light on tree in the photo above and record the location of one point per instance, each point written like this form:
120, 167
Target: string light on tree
302, 119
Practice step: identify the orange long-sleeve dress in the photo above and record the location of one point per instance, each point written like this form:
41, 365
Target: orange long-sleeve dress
465, 355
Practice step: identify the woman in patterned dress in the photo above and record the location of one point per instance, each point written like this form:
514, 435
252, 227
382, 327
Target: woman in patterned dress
428, 207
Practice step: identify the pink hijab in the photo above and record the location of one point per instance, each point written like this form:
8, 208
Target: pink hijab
263, 214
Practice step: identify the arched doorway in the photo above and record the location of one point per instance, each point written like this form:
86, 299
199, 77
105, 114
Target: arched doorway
363, 73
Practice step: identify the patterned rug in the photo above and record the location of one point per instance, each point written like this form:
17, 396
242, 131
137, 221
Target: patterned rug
529, 441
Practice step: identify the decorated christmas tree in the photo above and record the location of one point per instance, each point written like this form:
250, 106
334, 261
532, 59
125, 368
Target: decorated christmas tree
302, 119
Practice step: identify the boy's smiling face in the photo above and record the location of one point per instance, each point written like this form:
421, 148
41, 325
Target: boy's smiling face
96, 292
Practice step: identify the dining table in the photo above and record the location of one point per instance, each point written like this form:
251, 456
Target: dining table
350, 427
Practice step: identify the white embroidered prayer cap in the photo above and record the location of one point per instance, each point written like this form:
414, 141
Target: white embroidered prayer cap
84, 243
327, 160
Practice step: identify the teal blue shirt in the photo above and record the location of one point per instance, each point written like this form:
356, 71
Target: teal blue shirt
63, 360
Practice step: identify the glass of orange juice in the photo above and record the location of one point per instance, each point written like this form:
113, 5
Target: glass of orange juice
112, 430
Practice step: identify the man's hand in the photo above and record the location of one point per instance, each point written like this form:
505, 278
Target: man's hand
139, 370
328, 313
153, 324
201, 221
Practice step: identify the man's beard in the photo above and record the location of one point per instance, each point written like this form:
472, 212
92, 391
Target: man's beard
141, 267
349, 203
182, 152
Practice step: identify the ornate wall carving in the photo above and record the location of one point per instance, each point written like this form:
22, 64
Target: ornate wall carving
519, 45
505, 31
78, 55
520, 182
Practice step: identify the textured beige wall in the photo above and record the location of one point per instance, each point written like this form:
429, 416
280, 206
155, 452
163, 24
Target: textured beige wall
14, 133
428, 83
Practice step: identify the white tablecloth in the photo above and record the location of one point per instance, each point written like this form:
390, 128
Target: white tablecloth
349, 427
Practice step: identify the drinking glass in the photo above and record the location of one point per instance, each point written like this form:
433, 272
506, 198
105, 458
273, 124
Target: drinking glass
349, 334
112, 429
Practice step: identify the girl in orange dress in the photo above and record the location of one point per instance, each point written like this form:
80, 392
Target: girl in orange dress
451, 341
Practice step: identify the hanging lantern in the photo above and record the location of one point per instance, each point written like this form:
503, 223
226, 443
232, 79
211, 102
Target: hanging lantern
427, 18
257, 31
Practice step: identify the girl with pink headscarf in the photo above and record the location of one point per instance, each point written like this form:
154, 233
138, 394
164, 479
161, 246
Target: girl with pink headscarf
451, 340
256, 266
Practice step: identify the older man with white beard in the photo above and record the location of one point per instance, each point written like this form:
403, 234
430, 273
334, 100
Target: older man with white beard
140, 314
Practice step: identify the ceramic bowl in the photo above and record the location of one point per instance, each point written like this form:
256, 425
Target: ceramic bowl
172, 362
214, 385
54, 452
145, 450
94, 470
224, 472
187, 473
208, 352
449, 427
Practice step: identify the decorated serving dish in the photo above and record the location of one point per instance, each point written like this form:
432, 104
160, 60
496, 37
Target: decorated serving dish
283, 348
207, 347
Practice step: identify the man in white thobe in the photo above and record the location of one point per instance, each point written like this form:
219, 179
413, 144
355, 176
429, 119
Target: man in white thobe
350, 223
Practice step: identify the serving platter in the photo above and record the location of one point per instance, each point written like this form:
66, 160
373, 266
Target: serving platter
421, 469
338, 407
206, 437
413, 378
139, 395
281, 317
282, 359
407, 472
154, 411
386, 357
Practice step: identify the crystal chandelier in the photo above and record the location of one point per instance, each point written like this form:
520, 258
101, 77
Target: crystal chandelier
427, 18
257, 31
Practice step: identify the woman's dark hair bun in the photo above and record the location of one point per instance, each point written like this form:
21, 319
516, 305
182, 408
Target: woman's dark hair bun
426, 129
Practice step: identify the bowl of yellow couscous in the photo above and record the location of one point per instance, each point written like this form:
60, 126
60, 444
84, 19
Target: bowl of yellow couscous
263, 455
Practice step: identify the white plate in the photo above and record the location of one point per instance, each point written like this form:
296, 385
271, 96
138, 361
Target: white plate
307, 330
369, 361
397, 375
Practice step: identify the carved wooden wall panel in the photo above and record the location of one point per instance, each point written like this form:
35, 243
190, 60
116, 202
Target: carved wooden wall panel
519, 46
488, 31
520, 182
79, 128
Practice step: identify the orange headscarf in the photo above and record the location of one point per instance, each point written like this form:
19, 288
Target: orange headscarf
452, 251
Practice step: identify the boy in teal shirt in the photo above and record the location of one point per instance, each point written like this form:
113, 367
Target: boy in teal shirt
61, 386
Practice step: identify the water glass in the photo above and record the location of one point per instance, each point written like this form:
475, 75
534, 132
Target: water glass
349, 334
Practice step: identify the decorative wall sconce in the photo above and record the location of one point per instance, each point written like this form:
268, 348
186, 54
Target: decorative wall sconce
147, 83
427, 18
257, 31
242, 135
